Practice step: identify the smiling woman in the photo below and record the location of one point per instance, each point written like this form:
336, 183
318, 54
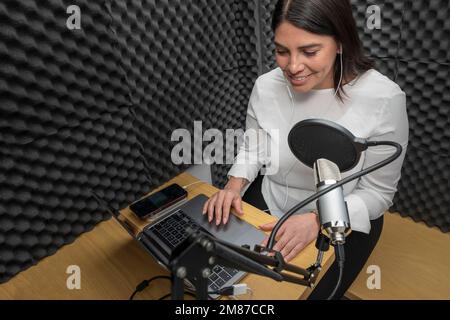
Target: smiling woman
322, 73
306, 50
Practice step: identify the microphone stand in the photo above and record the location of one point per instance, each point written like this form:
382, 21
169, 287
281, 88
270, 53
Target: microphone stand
293, 210
209, 251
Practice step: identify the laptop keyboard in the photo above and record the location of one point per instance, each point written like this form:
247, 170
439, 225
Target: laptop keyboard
171, 231
220, 275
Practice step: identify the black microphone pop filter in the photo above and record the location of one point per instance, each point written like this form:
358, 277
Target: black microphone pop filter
313, 139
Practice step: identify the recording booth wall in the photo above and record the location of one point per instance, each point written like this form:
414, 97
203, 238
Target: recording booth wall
412, 48
95, 108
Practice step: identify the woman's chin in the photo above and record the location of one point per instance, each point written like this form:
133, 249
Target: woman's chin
302, 89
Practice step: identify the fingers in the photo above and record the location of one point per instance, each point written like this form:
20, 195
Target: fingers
205, 206
211, 204
268, 226
294, 252
278, 235
226, 209
289, 246
237, 204
218, 206
282, 242
264, 242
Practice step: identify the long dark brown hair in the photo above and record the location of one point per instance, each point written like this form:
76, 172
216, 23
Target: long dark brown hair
328, 17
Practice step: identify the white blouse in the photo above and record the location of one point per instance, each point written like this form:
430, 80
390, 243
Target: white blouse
375, 109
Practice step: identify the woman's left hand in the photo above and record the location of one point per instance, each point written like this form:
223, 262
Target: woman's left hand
294, 235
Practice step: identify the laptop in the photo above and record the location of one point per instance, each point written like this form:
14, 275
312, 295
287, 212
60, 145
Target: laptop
161, 236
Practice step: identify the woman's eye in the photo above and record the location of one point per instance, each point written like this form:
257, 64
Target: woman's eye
281, 52
310, 53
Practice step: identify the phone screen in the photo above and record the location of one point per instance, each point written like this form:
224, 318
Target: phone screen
157, 201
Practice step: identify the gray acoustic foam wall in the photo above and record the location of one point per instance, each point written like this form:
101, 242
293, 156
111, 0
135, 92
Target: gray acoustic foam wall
233, 92
66, 128
204, 69
412, 48
94, 109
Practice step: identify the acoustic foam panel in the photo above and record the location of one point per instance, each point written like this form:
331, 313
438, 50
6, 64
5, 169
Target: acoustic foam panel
423, 191
199, 55
411, 32
427, 87
267, 36
83, 112
65, 129
232, 96
426, 31
387, 67
424, 187
382, 42
45, 186
51, 76
94, 108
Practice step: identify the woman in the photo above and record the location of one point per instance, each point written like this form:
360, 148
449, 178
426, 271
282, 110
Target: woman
322, 73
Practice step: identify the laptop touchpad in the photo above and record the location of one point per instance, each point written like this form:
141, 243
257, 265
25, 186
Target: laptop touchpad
236, 231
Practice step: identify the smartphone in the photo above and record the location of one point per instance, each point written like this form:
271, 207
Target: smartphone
158, 201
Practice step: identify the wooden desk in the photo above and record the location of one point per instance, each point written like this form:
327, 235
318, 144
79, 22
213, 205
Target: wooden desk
112, 264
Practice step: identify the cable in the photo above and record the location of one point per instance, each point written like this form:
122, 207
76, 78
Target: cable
352, 177
234, 290
340, 258
231, 291
144, 284
341, 273
165, 296
249, 291
169, 294
290, 123
341, 58
190, 184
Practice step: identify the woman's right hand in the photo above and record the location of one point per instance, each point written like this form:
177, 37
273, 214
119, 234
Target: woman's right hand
221, 202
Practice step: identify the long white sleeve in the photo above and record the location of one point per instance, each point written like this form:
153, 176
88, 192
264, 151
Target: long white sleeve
373, 193
375, 110
251, 154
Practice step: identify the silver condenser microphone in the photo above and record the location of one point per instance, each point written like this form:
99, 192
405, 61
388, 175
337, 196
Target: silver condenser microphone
332, 208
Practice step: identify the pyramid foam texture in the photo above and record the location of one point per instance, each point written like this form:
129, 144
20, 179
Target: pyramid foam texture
94, 109
411, 47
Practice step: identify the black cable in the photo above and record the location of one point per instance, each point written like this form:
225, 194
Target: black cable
340, 258
352, 177
185, 292
165, 296
225, 291
341, 273
144, 284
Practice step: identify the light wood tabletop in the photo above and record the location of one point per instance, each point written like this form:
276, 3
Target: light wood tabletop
111, 263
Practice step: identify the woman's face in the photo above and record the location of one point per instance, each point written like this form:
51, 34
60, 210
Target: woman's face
307, 59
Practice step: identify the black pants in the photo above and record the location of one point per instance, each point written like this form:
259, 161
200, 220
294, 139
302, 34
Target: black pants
358, 247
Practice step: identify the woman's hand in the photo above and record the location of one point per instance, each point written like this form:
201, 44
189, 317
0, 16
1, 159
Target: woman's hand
221, 202
294, 235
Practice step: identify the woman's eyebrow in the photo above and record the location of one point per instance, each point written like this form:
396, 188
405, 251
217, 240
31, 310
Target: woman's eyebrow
308, 46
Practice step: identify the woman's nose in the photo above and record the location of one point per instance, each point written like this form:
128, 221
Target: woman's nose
295, 65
